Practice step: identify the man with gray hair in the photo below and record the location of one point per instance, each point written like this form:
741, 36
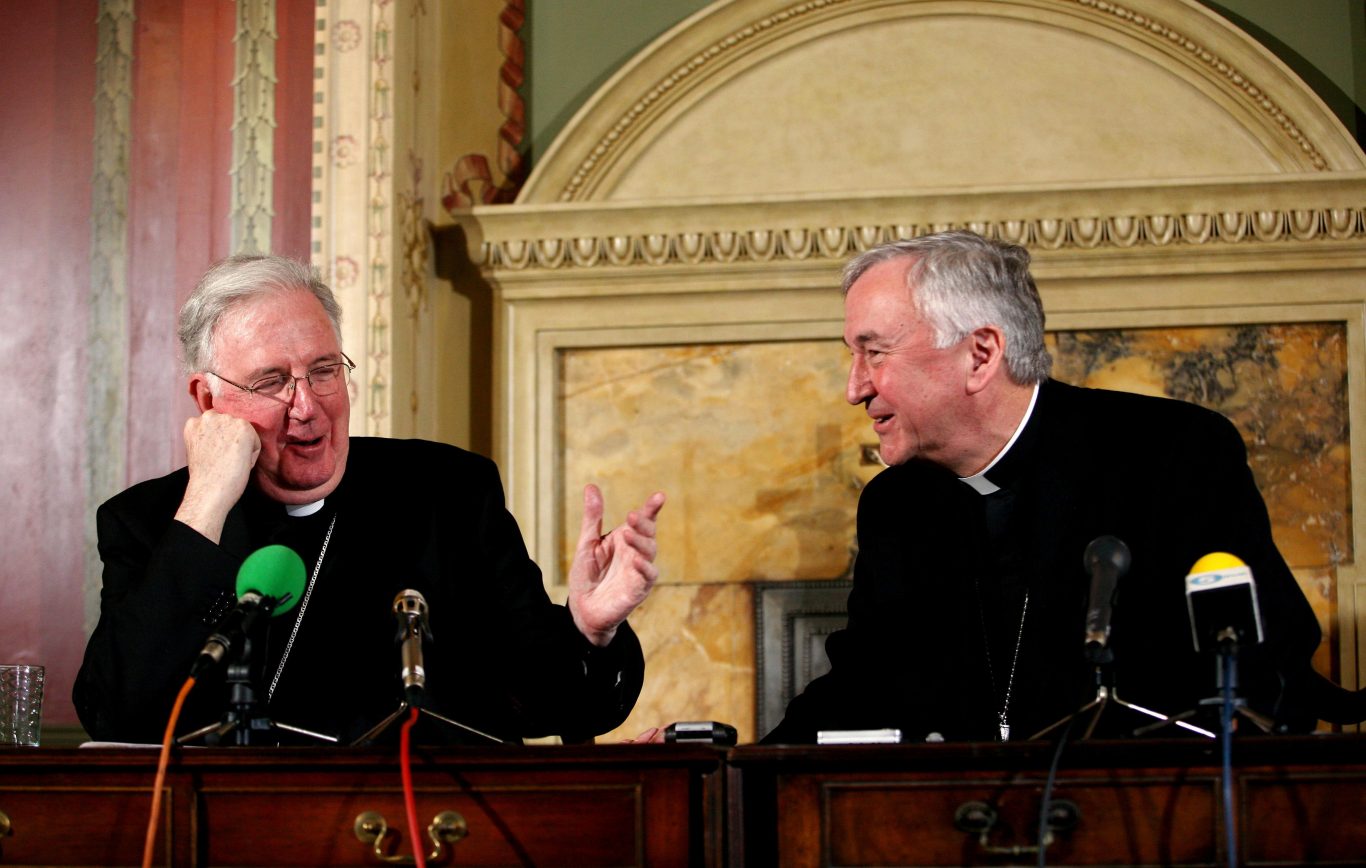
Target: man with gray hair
271, 461
970, 593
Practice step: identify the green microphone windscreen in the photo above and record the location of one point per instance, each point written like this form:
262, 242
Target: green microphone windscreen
273, 571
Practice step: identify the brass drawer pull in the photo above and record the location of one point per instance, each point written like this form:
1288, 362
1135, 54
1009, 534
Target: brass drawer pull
980, 818
5, 826
447, 827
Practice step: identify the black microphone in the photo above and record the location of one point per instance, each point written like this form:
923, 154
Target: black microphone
1221, 599
1106, 559
269, 582
411, 609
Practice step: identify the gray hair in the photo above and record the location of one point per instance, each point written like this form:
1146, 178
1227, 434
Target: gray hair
960, 281
234, 280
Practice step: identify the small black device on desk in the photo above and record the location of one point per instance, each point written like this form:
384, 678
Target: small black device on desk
703, 731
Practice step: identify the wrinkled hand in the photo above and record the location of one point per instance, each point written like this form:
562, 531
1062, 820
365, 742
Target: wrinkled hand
612, 575
221, 451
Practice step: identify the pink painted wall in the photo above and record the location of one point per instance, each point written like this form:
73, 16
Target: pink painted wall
178, 206
47, 77
179, 200
294, 60
178, 222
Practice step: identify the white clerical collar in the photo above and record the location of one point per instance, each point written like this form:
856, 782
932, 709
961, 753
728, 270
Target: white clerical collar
978, 482
302, 509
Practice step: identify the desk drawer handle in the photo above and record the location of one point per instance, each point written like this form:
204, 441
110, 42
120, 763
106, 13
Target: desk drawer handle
5, 826
979, 818
447, 827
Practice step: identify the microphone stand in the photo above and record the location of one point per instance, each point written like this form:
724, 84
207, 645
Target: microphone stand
1102, 658
417, 699
1106, 559
244, 720
413, 631
1226, 680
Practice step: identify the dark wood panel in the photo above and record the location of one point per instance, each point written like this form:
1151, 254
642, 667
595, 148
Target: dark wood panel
79, 826
1298, 801
1127, 821
593, 805
506, 826
1319, 816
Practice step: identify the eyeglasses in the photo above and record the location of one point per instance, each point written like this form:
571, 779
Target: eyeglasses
323, 380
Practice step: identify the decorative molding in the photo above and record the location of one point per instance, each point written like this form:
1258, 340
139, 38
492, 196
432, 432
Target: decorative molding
380, 165
1235, 77
510, 77
458, 185
416, 242
414, 238
107, 368
770, 244
673, 87
253, 126
322, 152
349, 202
736, 42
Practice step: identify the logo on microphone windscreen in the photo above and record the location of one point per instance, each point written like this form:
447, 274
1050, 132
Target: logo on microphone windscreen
1221, 599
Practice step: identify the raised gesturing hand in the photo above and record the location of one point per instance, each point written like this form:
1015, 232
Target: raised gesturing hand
612, 574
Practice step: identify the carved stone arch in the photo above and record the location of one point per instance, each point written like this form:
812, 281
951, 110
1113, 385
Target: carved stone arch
775, 97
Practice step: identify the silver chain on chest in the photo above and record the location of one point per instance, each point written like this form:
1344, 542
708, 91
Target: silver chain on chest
1010, 681
1003, 716
303, 605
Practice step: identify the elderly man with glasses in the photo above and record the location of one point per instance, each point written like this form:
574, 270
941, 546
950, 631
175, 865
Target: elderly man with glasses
270, 461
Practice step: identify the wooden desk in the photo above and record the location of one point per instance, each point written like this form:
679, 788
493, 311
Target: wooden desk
590, 805
1297, 801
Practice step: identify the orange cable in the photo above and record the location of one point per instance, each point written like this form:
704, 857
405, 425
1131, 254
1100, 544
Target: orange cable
161, 772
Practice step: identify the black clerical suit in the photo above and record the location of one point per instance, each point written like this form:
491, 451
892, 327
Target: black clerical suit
940, 639
407, 514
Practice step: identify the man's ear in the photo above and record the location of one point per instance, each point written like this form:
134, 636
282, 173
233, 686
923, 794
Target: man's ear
987, 355
201, 393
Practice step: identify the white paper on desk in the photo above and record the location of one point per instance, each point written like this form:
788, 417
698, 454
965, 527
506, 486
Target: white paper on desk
131, 744
858, 736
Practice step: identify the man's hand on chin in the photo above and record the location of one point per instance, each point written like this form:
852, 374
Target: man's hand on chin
221, 451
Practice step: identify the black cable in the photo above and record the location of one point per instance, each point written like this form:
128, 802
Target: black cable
1045, 805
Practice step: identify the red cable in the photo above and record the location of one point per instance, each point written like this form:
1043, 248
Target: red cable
165, 758
409, 799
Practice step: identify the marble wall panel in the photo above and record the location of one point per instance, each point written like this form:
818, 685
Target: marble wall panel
763, 461
699, 658
1320, 587
1284, 386
753, 443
